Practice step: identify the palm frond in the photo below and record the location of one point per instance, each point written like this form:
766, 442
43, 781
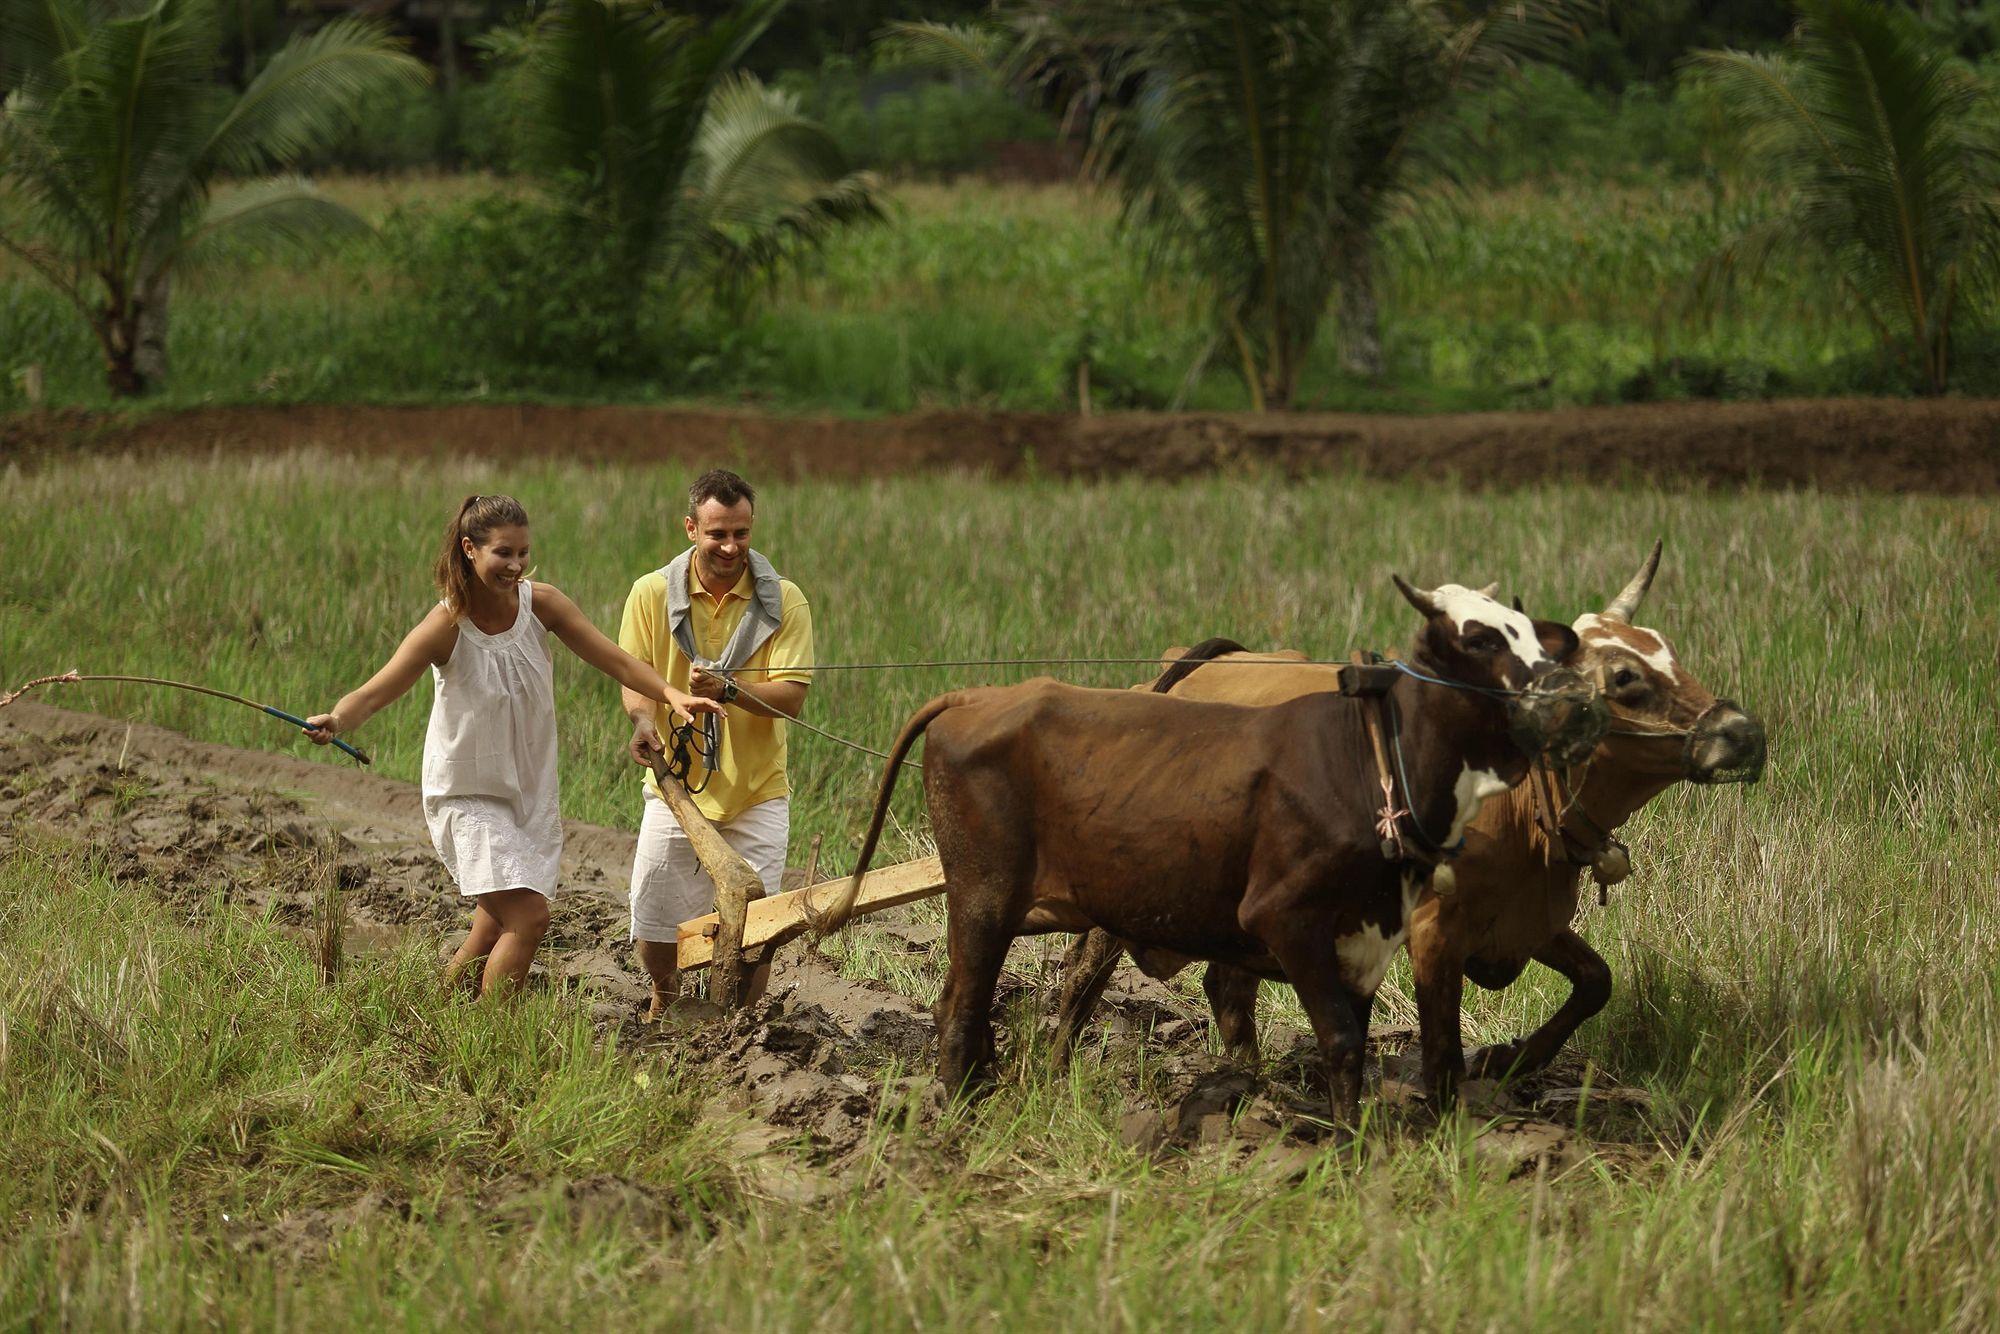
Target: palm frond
614, 95
102, 141
35, 34
309, 92
766, 183
280, 215
975, 50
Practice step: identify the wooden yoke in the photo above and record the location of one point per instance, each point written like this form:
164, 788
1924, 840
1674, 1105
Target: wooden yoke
736, 884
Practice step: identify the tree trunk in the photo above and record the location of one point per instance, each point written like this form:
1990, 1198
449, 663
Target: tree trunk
448, 48
115, 324
149, 353
1281, 381
1360, 323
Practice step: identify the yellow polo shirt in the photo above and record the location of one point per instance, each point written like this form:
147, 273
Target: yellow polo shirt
752, 766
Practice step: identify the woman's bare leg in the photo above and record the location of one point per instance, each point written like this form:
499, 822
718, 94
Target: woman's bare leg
478, 945
523, 915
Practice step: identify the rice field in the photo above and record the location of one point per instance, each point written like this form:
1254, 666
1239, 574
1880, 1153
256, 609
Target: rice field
1805, 975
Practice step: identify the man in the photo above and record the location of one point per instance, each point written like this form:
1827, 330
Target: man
716, 610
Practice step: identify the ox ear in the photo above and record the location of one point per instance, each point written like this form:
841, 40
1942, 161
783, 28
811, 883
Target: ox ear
1558, 640
1416, 597
1626, 605
1517, 605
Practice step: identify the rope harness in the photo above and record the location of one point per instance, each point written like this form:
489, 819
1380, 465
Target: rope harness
1368, 678
1558, 809
690, 742
1609, 860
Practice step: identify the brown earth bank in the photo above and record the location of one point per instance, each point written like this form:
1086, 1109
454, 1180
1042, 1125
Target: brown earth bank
1947, 446
801, 1079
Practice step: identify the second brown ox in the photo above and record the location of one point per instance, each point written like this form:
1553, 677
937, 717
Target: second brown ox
1516, 888
1221, 832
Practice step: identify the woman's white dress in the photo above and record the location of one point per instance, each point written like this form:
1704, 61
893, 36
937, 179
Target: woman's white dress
490, 790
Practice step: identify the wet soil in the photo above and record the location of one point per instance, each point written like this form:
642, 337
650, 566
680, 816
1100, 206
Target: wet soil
1947, 446
798, 1082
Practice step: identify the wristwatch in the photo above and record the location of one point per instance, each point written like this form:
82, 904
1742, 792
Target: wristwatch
728, 692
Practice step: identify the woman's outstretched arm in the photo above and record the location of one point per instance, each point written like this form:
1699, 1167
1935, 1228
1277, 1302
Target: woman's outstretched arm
428, 645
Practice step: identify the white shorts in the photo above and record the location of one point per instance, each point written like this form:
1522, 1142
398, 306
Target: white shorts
668, 884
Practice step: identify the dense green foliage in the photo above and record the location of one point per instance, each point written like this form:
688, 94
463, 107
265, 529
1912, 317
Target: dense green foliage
1547, 247
1800, 988
986, 296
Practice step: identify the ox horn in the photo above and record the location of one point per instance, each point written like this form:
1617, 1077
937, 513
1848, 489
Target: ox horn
1626, 605
1416, 597
1491, 590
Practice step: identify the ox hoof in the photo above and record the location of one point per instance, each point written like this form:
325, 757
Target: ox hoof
1495, 1062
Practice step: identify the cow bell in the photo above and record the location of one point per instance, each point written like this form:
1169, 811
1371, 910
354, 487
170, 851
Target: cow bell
1611, 865
1444, 880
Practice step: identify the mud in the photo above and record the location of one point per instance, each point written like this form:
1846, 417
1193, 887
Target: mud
1945, 446
798, 1082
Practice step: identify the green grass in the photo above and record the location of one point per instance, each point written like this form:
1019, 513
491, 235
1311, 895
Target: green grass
986, 296
1805, 979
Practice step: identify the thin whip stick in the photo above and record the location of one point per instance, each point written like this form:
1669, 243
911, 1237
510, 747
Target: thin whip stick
78, 677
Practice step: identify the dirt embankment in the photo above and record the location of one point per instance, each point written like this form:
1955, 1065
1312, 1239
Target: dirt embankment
1947, 446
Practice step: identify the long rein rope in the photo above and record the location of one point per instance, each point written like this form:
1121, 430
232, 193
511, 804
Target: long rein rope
685, 732
688, 747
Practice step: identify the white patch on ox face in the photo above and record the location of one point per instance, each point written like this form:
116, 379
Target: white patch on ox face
1650, 646
1471, 790
1365, 956
1464, 605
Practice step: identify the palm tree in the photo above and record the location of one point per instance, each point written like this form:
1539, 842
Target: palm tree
1259, 142
1263, 148
639, 126
116, 136
1888, 167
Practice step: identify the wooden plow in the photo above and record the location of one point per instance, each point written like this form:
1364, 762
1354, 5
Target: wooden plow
747, 927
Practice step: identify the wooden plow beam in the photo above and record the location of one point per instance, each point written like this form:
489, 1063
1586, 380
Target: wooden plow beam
736, 884
770, 922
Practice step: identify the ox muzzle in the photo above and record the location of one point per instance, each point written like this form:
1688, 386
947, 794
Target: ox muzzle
1560, 715
1725, 745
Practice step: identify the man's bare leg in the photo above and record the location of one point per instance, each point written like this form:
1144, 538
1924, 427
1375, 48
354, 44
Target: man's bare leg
661, 960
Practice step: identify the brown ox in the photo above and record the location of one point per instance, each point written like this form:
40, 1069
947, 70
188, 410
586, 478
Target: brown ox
1221, 832
1516, 893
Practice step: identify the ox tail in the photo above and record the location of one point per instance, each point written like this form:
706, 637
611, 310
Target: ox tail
1206, 651
827, 922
